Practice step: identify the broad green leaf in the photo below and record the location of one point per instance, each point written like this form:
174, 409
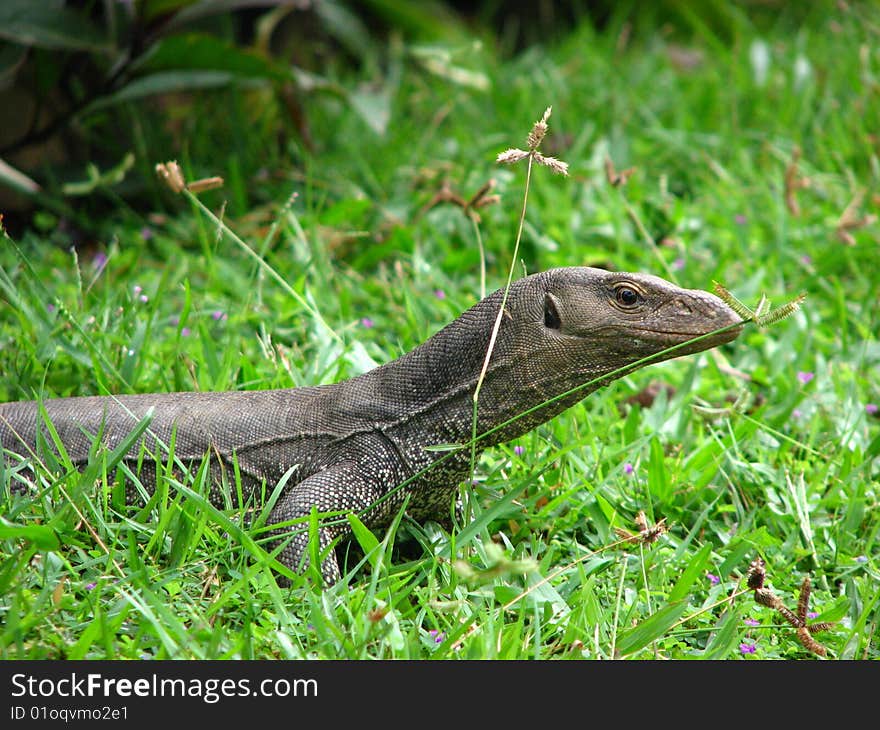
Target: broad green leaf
416, 19
873, 448
152, 9
700, 467
105, 625
479, 523
48, 24
650, 629
737, 556
359, 359
542, 592
366, 539
394, 636
835, 611
346, 26
42, 536
658, 477
374, 107
163, 83
195, 51
726, 636
695, 568
204, 8
862, 607
90, 633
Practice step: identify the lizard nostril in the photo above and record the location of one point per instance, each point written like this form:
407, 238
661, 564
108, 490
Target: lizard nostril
683, 307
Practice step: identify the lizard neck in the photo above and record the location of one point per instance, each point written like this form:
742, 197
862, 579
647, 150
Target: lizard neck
430, 390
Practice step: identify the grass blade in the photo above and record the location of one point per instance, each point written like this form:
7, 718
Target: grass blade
652, 628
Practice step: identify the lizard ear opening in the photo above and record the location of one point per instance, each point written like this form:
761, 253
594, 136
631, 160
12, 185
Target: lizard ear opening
551, 313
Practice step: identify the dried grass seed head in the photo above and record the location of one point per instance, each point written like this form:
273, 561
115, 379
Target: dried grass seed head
171, 174
539, 129
511, 156
557, 166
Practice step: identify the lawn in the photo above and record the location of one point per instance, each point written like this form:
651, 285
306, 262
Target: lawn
739, 149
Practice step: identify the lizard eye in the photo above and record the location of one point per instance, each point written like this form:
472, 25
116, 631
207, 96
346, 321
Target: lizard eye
626, 296
551, 314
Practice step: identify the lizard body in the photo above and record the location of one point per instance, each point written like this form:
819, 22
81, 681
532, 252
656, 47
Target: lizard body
350, 444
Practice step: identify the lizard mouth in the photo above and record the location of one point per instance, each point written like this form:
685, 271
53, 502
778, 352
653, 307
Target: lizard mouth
686, 343
723, 335
726, 333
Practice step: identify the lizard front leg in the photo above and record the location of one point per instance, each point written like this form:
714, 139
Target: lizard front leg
340, 487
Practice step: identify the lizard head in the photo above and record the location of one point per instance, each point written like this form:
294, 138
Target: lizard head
579, 322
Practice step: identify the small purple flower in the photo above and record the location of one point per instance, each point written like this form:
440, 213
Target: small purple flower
871, 409
796, 413
812, 614
144, 298
99, 262
440, 294
218, 315
628, 468
50, 307
745, 648
678, 264
137, 290
713, 579
805, 376
740, 219
519, 450
751, 622
807, 260
90, 586
146, 233
184, 332
366, 322
861, 558
438, 636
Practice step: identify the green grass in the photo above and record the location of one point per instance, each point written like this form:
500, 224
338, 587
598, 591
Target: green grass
741, 456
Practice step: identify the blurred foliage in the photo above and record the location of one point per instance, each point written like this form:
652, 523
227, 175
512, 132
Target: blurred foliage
85, 84
96, 92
